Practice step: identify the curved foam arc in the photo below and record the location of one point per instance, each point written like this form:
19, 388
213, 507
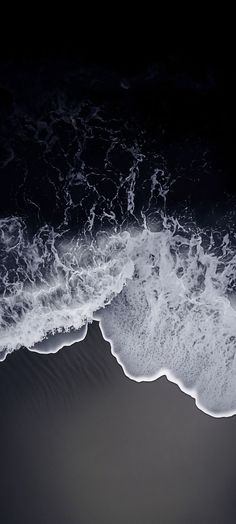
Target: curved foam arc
184, 328
164, 372
53, 343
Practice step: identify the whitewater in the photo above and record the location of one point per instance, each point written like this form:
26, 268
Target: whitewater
102, 227
164, 298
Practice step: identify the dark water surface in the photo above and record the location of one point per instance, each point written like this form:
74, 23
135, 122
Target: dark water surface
81, 443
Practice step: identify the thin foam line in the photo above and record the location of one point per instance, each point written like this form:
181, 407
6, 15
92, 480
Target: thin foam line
142, 378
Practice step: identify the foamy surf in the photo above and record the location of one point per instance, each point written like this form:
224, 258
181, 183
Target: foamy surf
164, 298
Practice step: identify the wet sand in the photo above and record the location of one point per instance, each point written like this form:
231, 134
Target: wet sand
83, 444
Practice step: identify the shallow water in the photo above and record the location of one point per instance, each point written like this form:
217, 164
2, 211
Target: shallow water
82, 442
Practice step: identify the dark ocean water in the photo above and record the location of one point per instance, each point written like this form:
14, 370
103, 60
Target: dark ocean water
117, 200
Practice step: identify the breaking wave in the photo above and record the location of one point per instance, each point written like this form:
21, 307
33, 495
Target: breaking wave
164, 296
99, 222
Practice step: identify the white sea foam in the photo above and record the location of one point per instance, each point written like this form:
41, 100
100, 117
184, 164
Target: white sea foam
165, 299
50, 285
